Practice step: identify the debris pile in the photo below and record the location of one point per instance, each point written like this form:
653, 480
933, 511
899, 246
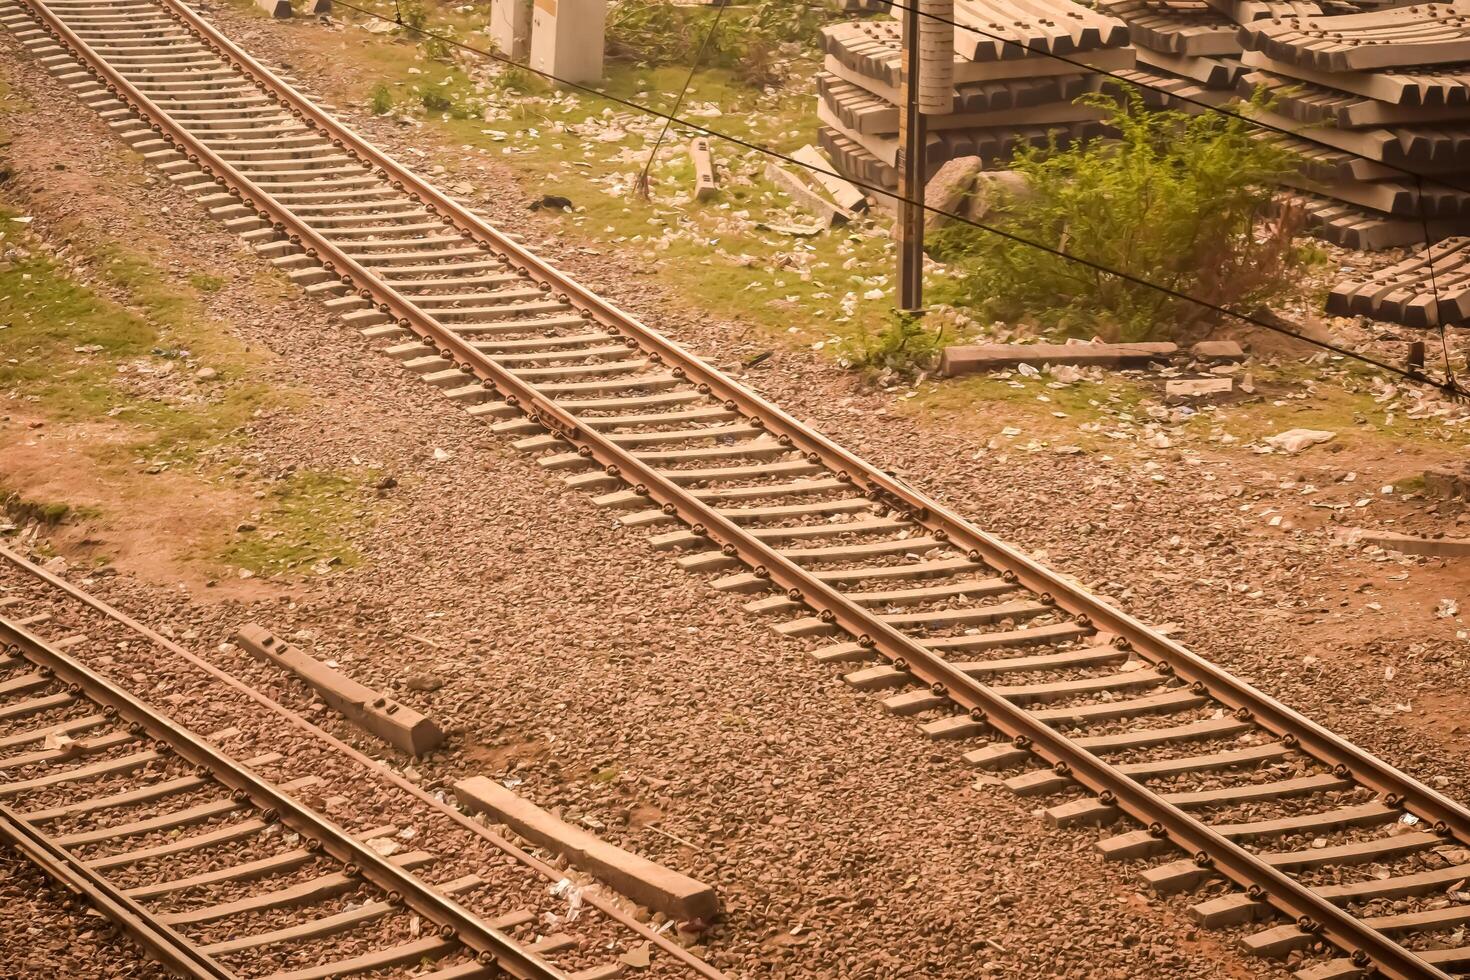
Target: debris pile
1375, 100
1009, 90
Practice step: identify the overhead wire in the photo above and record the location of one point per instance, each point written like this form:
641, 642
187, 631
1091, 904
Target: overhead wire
1417, 176
1448, 386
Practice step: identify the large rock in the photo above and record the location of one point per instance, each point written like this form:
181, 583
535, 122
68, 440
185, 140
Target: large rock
963, 186
950, 188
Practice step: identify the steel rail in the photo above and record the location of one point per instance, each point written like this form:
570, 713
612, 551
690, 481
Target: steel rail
491, 945
1234, 693
594, 897
158, 939
1224, 856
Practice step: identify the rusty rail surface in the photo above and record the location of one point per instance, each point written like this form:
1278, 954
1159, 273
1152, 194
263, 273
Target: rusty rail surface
1210, 849
160, 941
593, 897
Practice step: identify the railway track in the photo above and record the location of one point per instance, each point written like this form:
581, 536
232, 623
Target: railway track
213, 865
1338, 858
210, 866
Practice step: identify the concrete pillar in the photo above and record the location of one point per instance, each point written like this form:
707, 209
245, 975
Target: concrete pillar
567, 38
936, 48
276, 8
510, 27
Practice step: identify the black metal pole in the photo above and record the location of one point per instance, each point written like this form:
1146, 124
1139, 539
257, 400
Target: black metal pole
911, 140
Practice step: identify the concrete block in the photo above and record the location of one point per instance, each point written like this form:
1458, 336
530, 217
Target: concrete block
650, 885
990, 357
397, 724
276, 8
567, 38
1448, 482
823, 172
510, 27
705, 185
1413, 544
1197, 387
1217, 350
806, 195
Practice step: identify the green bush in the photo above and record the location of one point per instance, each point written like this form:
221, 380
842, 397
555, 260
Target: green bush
902, 346
1181, 201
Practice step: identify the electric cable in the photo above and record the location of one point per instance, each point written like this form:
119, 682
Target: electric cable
1449, 386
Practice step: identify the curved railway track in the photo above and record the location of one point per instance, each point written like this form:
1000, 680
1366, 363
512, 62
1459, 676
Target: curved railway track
1343, 856
217, 871
172, 839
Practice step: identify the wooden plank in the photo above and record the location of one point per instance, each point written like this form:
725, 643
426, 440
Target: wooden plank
328, 925
421, 949
301, 893
104, 768
228, 832
62, 728
69, 750
283, 861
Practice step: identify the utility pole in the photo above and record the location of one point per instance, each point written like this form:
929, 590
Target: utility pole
928, 89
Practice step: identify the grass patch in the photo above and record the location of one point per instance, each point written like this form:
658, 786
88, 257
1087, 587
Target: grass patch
23, 510
70, 352
301, 524
746, 42
206, 283
380, 100
1031, 405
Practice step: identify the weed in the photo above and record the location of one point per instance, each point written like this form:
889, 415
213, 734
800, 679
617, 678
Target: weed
903, 346
24, 511
435, 101
514, 78
413, 15
206, 283
79, 356
381, 100
303, 521
437, 48
1178, 201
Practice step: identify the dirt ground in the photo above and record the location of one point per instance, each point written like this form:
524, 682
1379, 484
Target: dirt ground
626, 694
